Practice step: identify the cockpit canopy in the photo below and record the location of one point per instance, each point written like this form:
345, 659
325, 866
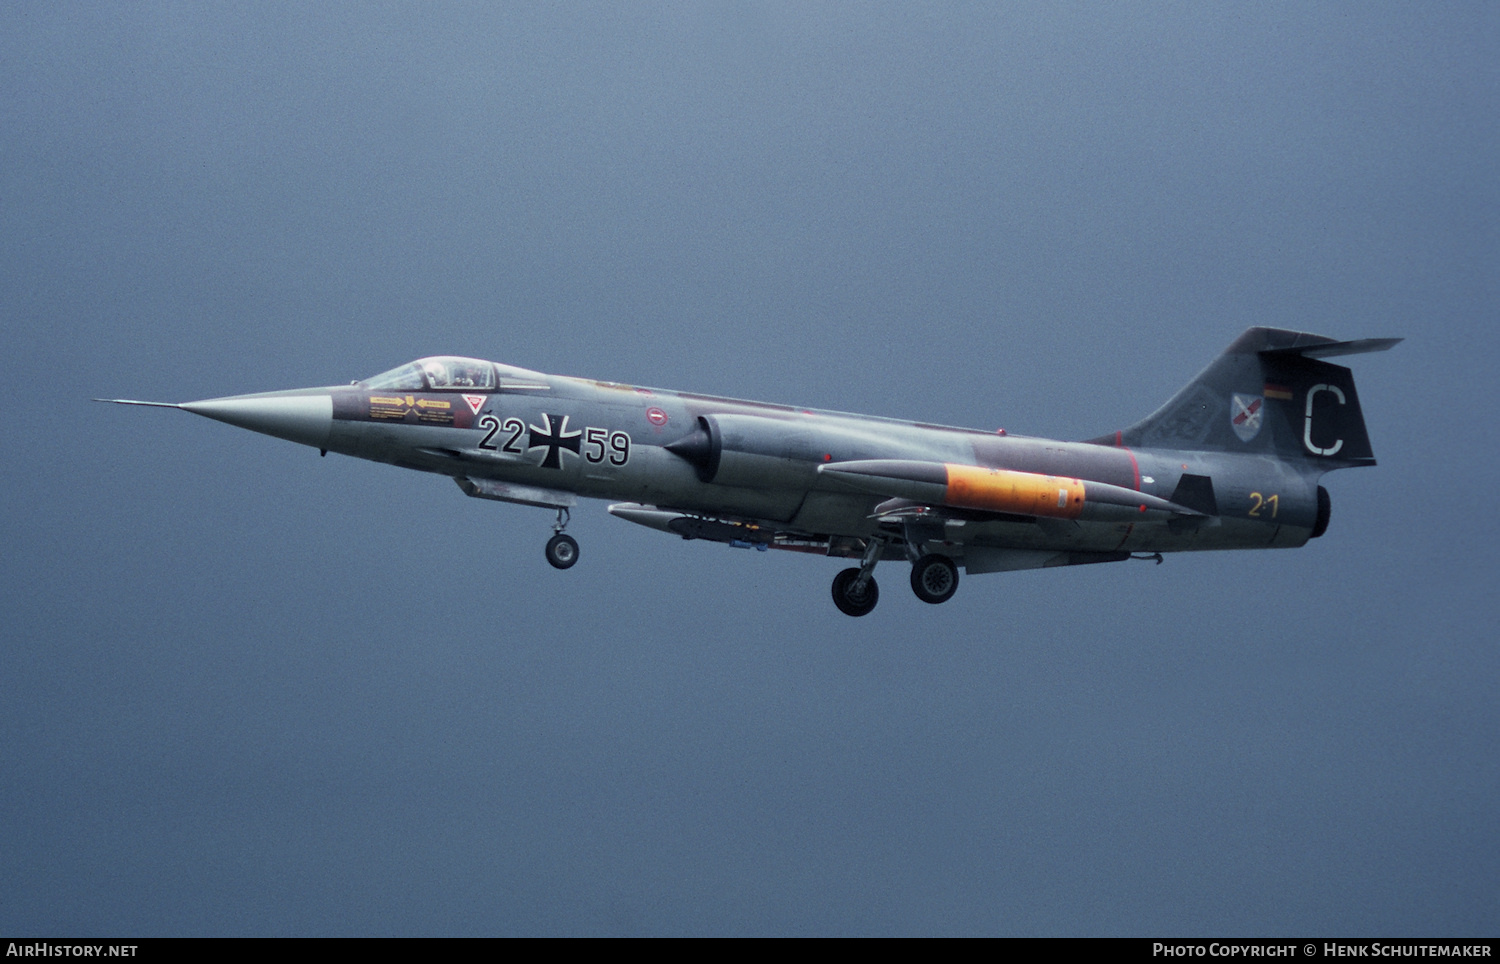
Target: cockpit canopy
435, 374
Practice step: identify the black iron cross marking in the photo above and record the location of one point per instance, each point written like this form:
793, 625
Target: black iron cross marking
555, 439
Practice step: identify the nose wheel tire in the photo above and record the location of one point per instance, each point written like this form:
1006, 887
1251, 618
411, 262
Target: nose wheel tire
934, 578
852, 602
562, 551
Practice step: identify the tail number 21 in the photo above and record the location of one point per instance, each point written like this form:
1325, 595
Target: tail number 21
1260, 502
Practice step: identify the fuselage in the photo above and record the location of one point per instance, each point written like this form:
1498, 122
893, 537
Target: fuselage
759, 463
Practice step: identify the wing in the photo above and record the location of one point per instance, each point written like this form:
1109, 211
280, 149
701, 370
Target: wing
738, 532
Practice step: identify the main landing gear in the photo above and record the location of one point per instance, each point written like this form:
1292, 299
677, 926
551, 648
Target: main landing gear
934, 578
562, 549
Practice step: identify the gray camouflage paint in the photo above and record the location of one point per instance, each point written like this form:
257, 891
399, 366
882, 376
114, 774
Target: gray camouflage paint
1230, 462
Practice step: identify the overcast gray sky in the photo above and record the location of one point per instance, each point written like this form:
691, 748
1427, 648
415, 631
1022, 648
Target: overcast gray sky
245, 690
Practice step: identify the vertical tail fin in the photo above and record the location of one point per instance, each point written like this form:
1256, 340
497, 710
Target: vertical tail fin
1268, 393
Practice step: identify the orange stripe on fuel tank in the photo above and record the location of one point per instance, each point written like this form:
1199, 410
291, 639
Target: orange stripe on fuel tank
1002, 490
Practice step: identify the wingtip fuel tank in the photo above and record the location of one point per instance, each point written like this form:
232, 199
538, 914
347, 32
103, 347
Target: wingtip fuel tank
1001, 490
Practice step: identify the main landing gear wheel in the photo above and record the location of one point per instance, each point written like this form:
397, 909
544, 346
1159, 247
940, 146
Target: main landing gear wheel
852, 602
934, 578
562, 551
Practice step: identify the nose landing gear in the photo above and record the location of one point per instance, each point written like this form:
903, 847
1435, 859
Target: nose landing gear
562, 549
854, 590
852, 598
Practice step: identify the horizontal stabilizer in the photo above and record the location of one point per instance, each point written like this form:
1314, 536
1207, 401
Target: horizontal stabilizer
1333, 349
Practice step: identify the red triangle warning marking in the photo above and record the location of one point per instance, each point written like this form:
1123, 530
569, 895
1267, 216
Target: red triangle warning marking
476, 402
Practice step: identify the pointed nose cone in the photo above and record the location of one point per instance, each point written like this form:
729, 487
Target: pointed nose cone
300, 416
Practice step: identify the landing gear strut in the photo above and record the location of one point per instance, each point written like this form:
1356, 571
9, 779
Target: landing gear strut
854, 590
934, 578
562, 550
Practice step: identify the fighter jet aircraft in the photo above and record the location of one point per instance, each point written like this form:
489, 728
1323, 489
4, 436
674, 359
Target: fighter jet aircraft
1232, 461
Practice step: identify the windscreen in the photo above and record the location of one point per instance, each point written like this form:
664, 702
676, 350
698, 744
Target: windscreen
436, 374
407, 378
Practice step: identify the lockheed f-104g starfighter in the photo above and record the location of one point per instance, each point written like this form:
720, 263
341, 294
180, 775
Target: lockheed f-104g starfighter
1232, 461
